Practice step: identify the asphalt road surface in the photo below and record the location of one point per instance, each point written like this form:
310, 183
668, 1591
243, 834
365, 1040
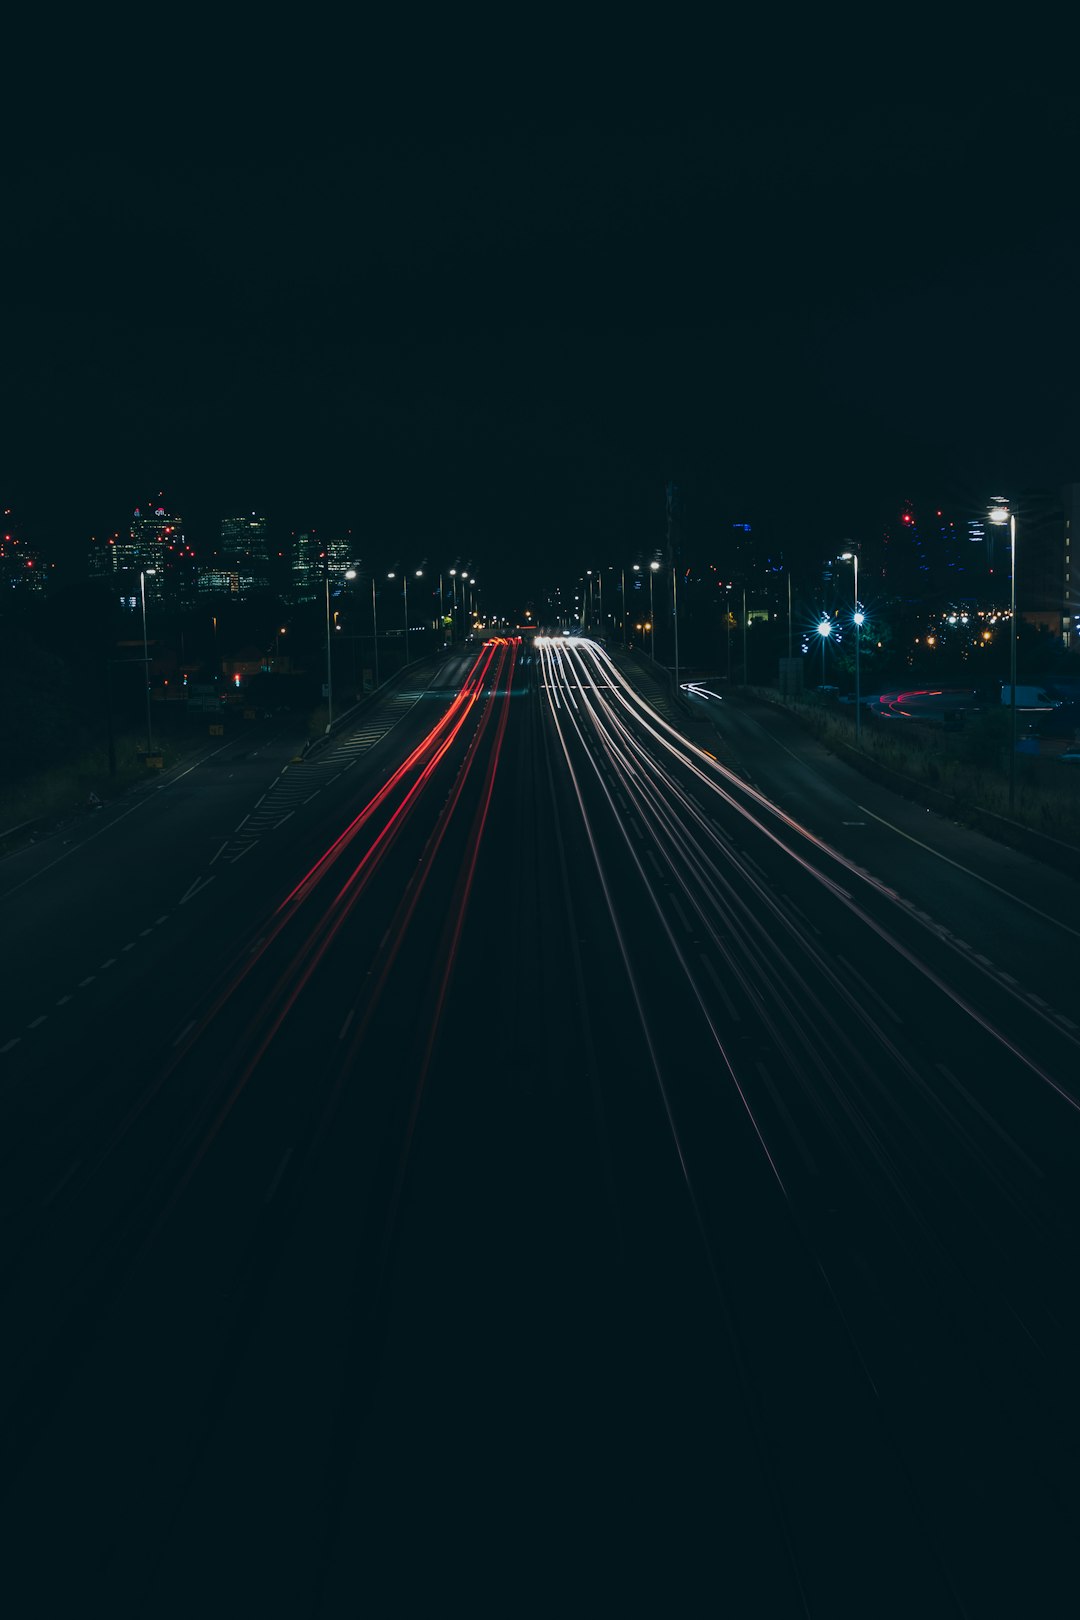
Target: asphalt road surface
537, 1150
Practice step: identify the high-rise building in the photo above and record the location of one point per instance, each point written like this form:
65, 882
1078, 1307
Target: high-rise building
245, 548
155, 540
21, 565
313, 558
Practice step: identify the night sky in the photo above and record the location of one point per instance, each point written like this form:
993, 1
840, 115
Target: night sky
494, 324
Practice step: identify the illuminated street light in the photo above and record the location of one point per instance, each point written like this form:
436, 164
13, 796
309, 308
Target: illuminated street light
350, 574
859, 618
824, 630
999, 513
653, 566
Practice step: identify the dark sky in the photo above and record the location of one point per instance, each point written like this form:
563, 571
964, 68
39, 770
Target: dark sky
495, 324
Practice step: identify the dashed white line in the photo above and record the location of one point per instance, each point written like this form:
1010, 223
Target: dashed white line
88, 980
10, 1044
346, 1024
273, 1187
679, 912
144, 931
63, 1000
110, 963
36, 1022
240, 823
1061, 1018
200, 883
61, 1184
183, 1032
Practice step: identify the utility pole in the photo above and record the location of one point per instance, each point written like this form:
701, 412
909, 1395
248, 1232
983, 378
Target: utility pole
745, 666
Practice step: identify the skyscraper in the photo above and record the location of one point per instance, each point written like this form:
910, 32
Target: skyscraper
245, 548
21, 565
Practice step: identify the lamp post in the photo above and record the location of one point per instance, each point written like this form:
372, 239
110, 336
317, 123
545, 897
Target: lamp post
653, 566
675, 614
329, 671
824, 630
350, 574
419, 575
858, 619
1000, 513
146, 654
745, 650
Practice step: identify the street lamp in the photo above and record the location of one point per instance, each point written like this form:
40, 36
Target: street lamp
653, 566
824, 630
146, 653
350, 574
329, 671
419, 575
999, 513
858, 619
675, 614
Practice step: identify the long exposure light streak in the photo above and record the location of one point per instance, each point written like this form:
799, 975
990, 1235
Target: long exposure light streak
737, 791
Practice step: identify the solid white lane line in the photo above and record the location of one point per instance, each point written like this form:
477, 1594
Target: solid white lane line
1013, 898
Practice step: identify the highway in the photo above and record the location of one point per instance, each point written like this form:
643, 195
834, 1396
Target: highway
538, 1159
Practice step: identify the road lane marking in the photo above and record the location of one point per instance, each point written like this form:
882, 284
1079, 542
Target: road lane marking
183, 1032
346, 1024
733, 1011
63, 1000
130, 946
10, 1044
110, 963
144, 931
61, 1184
960, 867
865, 986
159, 920
36, 1022
89, 980
200, 883
679, 912
273, 1187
